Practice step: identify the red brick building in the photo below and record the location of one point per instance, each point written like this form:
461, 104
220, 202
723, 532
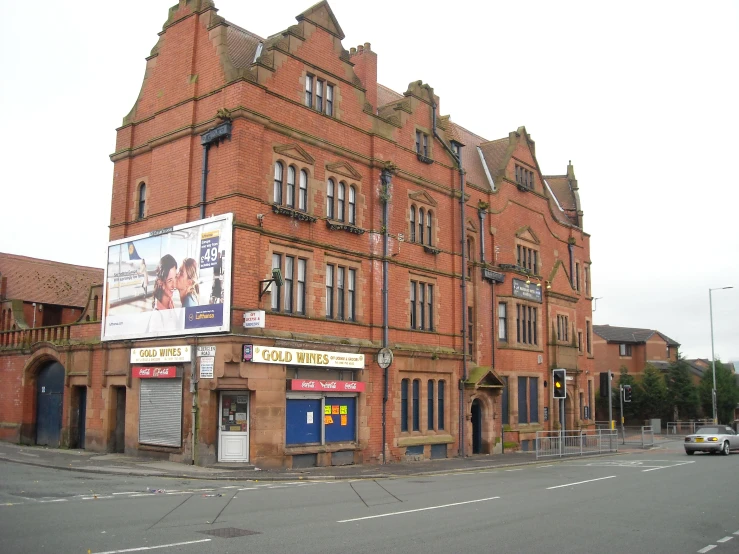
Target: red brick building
392, 228
44, 305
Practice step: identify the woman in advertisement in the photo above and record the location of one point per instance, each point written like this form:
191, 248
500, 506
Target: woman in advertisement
187, 283
165, 317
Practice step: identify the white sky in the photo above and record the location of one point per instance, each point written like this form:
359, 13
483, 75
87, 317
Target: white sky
641, 96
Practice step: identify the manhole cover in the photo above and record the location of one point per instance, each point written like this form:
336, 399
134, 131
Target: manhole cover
229, 532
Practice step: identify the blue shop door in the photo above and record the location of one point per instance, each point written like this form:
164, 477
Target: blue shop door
303, 421
49, 396
341, 423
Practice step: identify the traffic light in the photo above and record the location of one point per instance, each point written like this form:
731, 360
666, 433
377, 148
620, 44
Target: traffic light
627, 393
559, 378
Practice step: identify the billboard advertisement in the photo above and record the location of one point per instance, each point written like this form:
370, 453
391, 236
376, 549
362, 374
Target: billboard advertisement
170, 282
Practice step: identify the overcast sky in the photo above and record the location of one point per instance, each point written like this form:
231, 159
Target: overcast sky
641, 96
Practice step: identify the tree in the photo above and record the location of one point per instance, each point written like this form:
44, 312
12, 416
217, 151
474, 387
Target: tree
727, 392
682, 395
652, 400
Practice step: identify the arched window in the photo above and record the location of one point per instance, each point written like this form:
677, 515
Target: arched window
340, 206
303, 195
279, 169
142, 201
412, 238
421, 219
428, 227
330, 199
352, 205
290, 200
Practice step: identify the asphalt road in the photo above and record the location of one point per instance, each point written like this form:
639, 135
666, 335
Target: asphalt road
657, 501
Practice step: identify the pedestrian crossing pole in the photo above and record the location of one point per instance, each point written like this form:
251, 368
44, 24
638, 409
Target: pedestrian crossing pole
610, 402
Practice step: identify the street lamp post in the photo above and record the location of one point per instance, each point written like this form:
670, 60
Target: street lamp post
713, 356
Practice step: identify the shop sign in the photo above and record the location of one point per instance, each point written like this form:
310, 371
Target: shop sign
326, 386
527, 292
206, 367
254, 319
291, 356
206, 351
160, 354
155, 372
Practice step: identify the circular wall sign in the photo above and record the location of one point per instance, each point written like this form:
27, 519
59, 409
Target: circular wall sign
385, 357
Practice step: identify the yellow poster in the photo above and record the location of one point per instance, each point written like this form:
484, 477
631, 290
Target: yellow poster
335, 410
328, 420
327, 410
343, 410
343, 420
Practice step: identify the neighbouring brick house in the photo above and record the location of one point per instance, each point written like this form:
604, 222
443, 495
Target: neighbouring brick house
632, 348
391, 226
44, 304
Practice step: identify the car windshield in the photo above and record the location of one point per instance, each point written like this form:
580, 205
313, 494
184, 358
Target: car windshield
708, 430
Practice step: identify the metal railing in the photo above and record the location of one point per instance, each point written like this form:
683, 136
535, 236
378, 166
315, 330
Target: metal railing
575, 442
686, 427
637, 436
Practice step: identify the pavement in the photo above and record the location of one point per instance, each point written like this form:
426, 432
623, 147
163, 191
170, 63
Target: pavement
122, 464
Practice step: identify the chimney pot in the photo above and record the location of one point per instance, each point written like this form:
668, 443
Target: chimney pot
360, 48
367, 46
352, 51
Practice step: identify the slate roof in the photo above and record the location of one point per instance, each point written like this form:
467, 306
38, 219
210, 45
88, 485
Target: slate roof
47, 282
562, 190
630, 335
386, 95
242, 45
471, 161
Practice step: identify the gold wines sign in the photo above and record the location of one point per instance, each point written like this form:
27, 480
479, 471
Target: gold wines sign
160, 354
315, 358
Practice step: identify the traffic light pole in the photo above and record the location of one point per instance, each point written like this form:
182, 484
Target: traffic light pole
610, 402
621, 398
562, 419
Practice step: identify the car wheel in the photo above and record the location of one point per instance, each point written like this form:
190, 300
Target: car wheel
690, 452
725, 449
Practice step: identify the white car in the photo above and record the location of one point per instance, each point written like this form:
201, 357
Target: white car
712, 438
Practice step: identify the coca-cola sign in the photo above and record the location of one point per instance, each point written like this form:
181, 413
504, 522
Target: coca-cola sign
329, 385
155, 372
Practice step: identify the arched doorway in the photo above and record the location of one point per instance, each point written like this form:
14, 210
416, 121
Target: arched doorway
49, 397
476, 426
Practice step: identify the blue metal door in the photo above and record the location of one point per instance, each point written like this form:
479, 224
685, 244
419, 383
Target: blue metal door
49, 396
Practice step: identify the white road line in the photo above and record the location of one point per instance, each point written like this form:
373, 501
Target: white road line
177, 492
231, 487
707, 549
666, 467
278, 487
419, 510
725, 539
204, 490
94, 497
548, 465
581, 482
152, 547
54, 500
735, 533
249, 489
517, 469
132, 492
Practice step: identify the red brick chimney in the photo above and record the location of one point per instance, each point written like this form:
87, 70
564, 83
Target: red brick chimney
365, 66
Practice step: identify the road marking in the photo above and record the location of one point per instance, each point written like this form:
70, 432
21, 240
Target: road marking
419, 509
581, 482
548, 465
725, 539
707, 549
736, 533
54, 500
666, 467
517, 469
152, 547
231, 487
249, 489
132, 492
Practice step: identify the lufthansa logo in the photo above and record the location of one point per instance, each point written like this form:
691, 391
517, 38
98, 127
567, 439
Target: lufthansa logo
190, 317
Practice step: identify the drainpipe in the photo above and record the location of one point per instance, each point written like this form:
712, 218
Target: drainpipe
458, 158
571, 248
386, 178
482, 214
214, 136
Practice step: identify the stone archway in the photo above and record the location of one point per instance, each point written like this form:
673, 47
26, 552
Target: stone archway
32, 382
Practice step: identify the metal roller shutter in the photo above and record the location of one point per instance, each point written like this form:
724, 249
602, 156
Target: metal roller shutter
160, 412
